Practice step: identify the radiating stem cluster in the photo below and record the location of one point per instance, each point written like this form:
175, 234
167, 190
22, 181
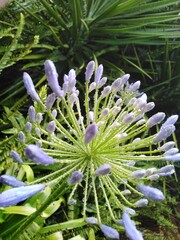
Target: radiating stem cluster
96, 144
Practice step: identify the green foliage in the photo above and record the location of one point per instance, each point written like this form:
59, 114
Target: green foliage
117, 33
11, 50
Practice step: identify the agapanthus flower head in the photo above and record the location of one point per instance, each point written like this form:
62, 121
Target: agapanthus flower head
15, 195
97, 136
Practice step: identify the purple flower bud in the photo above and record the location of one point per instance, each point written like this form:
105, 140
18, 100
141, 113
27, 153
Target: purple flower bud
52, 77
50, 100
102, 82
155, 119
72, 98
171, 120
121, 135
153, 177
106, 91
98, 74
129, 211
119, 101
133, 101
171, 151
11, 181
136, 140
134, 87
91, 116
163, 174
65, 87
21, 136
38, 132
51, 126
140, 122
103, 170
168, 145
115, 124
125, 78
150, 171
15, 195
126, 192
92, 86
104, 112
164, 133
109, 232
39, 143
140, 173
28, 83
141, 203
54, 113
28, 127
37, 155
115, 110
90, 133
71, 80
148, 107
92, 220
173, 158
89, 70
128, 118
39, 117
32, 114
115, 85
130, 163
75, 178
166, 169
150, 192
131, 230
15, 156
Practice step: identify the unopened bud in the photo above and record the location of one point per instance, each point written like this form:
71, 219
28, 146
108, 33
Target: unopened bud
103, 170
150, 192
98, 74
32, 114
75, 178
15, 156
52, 77
90, 133
155, 119
29, 85
89, 70
141, 203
